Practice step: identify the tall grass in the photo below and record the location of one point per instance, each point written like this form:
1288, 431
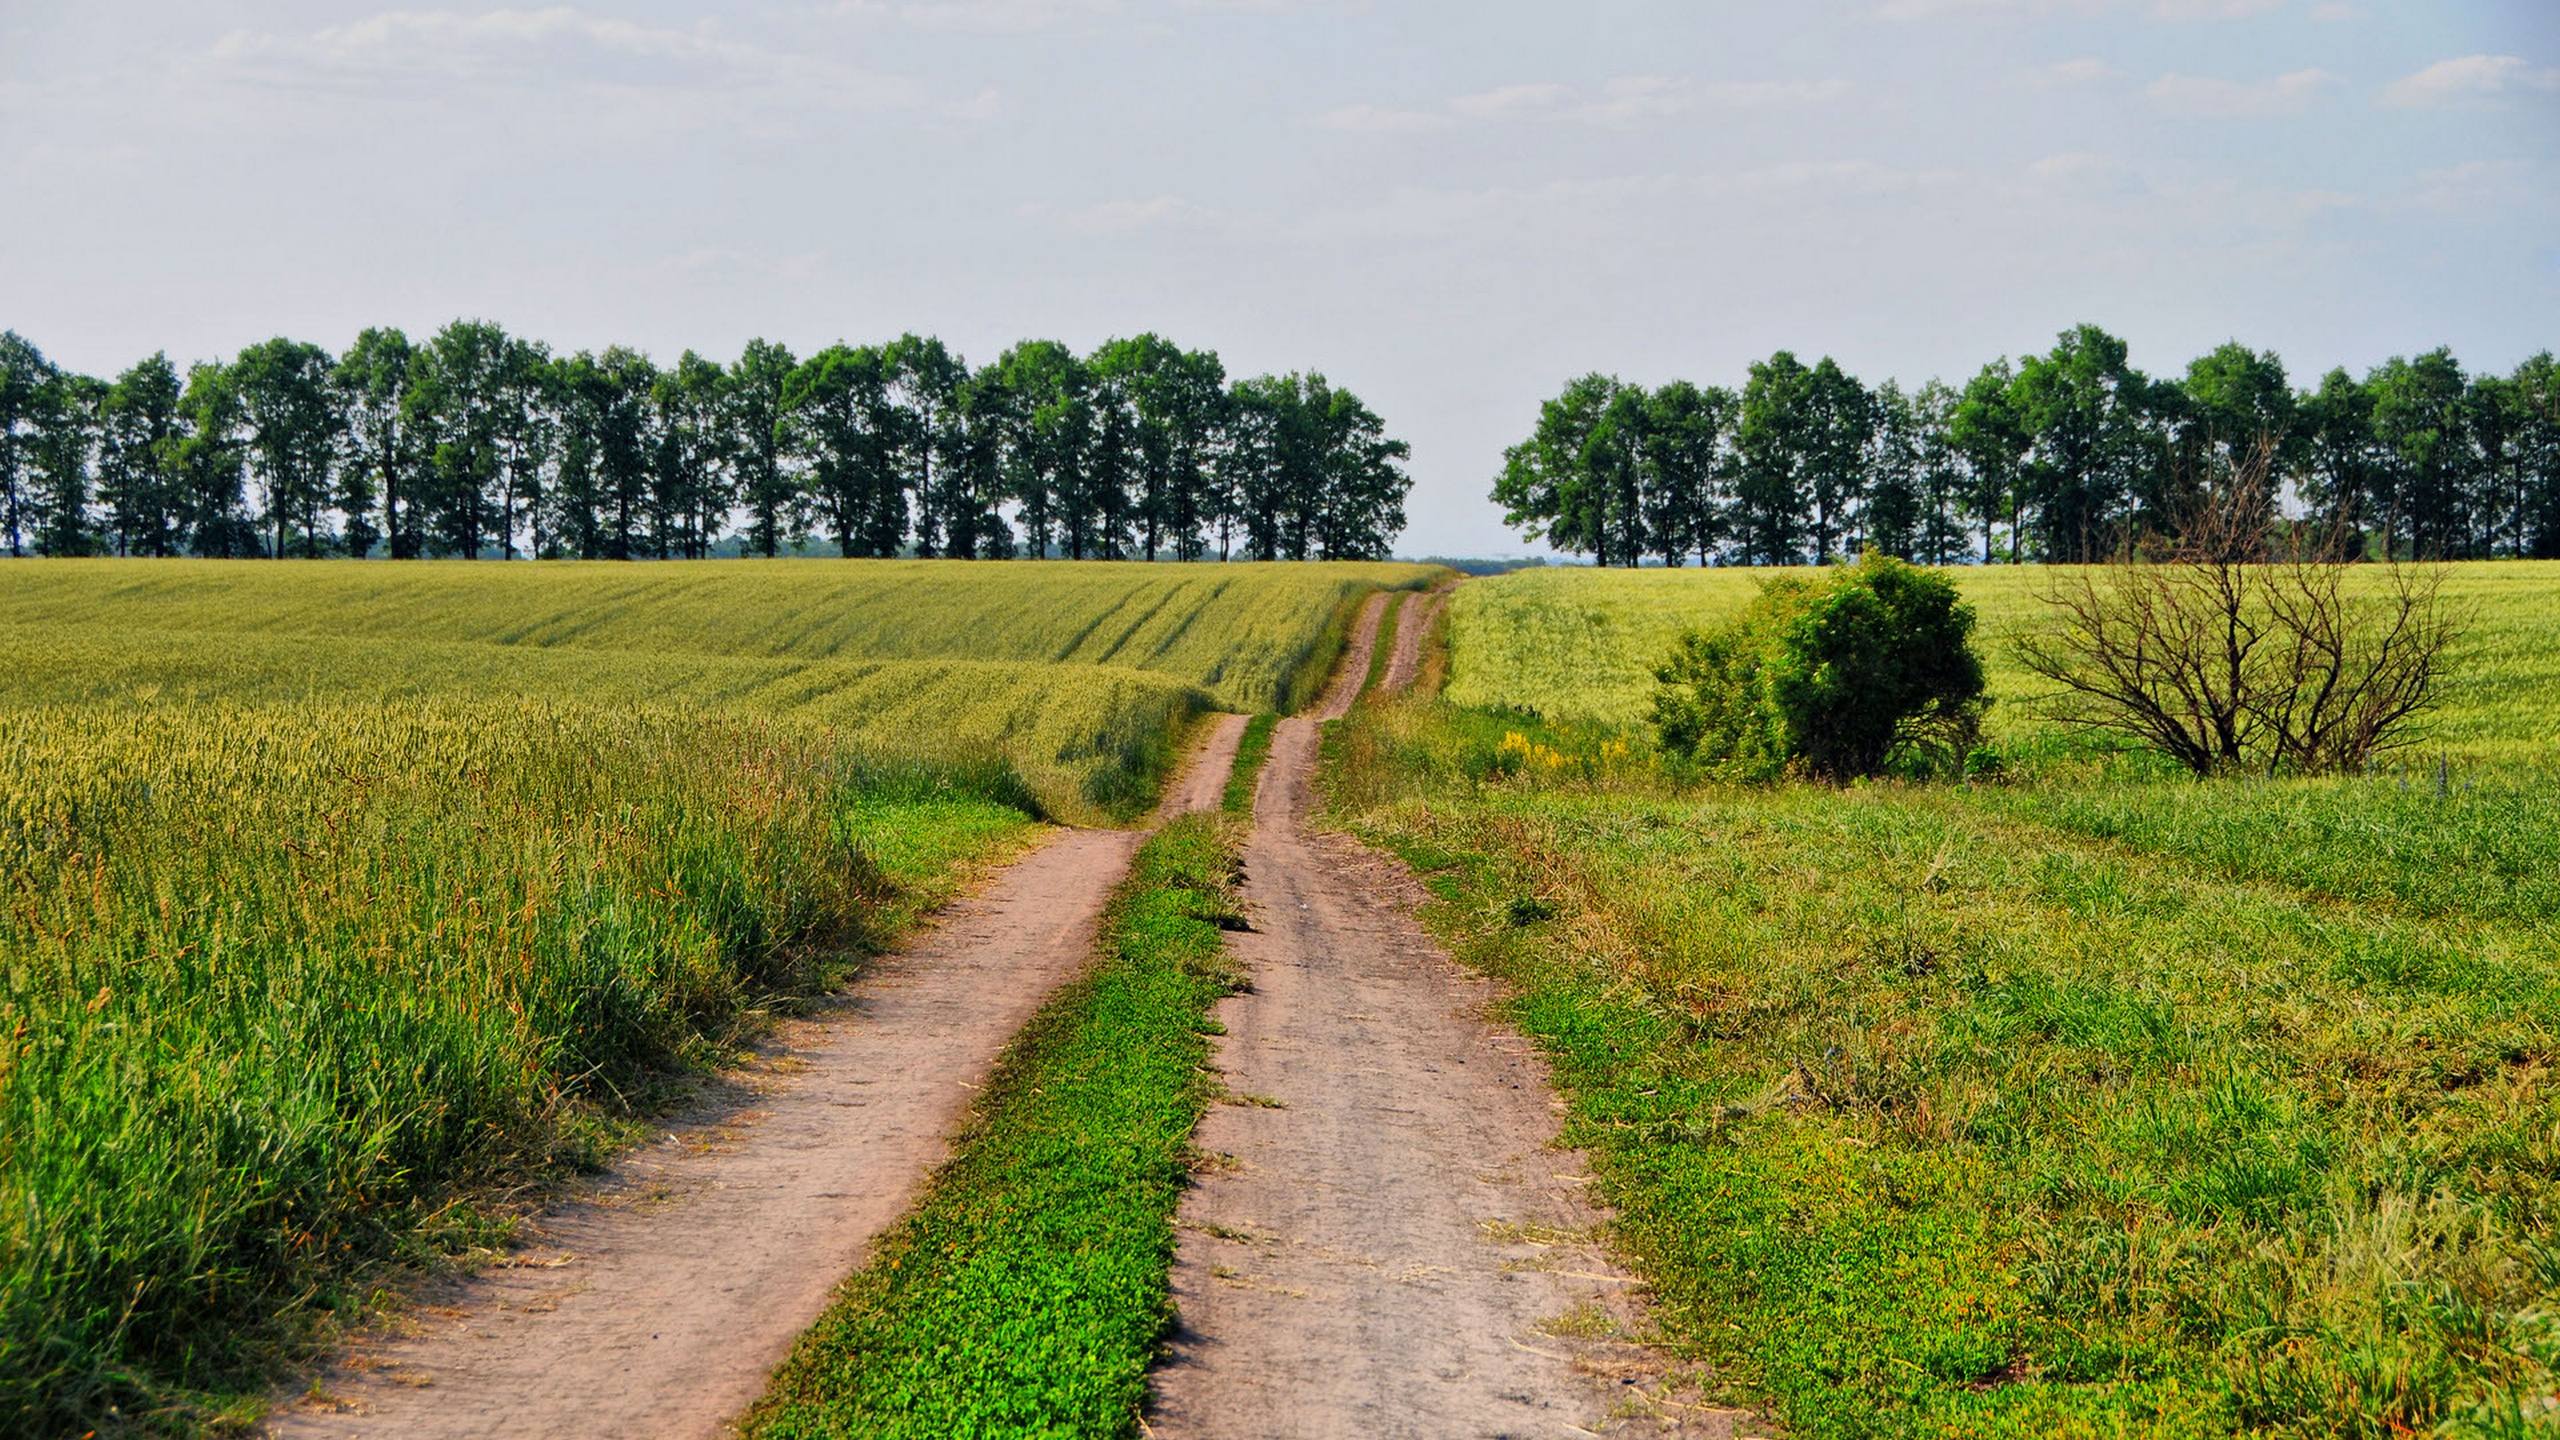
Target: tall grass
280, 978
1091, 741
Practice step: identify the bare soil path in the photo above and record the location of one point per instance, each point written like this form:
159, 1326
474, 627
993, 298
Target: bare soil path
1404, 661
1393, 1246
657, 1302
1202, 784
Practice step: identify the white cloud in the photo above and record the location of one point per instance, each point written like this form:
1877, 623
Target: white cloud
1761, 94
2207, 97
2071, 74
982, 17
1620, 101
559, 45
2475, 187
2156, 9
2469, 79
1511, 100
1383, 120
1129, 217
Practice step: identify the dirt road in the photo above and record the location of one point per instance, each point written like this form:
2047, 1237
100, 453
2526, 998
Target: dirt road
657, 1305
1404, 660
1396, 1248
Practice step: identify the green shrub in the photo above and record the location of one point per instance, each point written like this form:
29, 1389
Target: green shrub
1869, 666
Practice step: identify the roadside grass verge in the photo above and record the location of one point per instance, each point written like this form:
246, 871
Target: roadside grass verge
1252, 750
1026, 1294
1994, 1113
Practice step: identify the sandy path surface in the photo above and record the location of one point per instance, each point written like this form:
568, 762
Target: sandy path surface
658, 1302
1396, 1234
1203, 783
1404, 660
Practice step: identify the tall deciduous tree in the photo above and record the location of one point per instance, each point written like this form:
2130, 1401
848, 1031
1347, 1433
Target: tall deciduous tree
283, 388
141, 481
372, 381
26, 378
777, 512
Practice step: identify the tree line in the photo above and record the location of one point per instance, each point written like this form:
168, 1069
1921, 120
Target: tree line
476, 443
2065, 456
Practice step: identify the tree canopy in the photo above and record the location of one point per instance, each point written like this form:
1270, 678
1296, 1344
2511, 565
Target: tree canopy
2068, 455
475, 443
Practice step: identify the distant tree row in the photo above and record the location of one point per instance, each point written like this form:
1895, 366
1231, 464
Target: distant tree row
2065, 456
477, 443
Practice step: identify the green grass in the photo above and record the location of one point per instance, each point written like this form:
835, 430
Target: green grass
286, 982
1245, 634
1026, 1294
1382, 653
1252, 750
2090, 1104
1578, 645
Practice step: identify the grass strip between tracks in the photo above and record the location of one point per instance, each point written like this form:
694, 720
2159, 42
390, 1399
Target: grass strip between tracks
1027, 1292
1251, 751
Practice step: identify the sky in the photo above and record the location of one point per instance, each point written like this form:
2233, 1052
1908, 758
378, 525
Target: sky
1450, 206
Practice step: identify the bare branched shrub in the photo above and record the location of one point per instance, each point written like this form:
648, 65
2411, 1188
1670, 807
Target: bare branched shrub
2246, 644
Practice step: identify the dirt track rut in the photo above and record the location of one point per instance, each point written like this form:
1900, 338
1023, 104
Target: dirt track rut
1393, 1235
657, 1303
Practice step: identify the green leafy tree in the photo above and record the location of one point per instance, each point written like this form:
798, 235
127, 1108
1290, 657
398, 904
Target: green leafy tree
66, 440
141, 479
925, 381
2344, 478
777, 509
1837, 427
1686, 469
284, 393
2425, 447
25, 379
213, 461
2086, 415
1559, 484
692, 489
372, 384
2536, 394
455, 402
832, 406
1036, 397
1359, 484
1990, 432
1775, 440
525, 429
1892, 513
976, 490
1945, 481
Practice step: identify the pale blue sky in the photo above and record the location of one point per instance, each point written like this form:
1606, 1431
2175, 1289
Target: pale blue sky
1449, 205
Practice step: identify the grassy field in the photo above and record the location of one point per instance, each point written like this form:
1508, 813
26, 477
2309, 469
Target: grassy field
1579, 645
2094, 1103
1241, 634
338, 895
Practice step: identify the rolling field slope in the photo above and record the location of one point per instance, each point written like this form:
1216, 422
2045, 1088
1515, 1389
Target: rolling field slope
335, 895
1243, 634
